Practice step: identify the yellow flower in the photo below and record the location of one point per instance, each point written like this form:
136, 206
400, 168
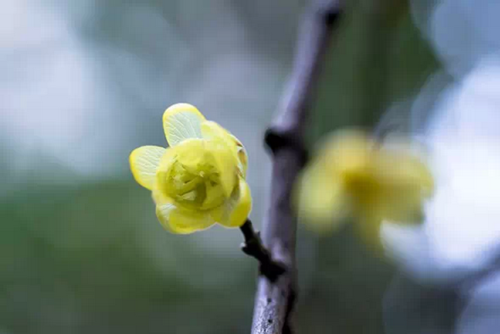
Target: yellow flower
200, 179
354, 177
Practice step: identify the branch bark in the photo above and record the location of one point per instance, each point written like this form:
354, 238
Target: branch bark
275, 299
252, 246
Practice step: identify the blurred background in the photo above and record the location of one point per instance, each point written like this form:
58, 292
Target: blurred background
83, 83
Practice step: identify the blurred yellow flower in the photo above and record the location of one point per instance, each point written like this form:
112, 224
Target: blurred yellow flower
200, 179
354, 177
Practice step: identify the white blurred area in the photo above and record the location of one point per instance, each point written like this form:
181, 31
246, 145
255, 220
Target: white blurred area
461, 108
461, 32
460, 228
51, 96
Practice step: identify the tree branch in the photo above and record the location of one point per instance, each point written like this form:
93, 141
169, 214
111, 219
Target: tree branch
253, 247
275, 299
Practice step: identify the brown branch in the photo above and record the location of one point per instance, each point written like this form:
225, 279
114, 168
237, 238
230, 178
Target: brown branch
275, 299
253, 247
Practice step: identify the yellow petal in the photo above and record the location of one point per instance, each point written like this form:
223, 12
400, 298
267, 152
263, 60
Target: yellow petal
181, 221
167, 159
158, 197
399, 204
215, 196
403, 168
214, 131
322, 202
404, 181
225, 153
193, 154
238, 207
144, 162
182, 121
242, 156
227, 166
211, 130
345, 150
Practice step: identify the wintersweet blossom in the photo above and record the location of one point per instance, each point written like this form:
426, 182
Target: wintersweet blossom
200, 179
354, 177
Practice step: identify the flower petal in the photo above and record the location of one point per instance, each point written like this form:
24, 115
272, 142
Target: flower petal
227, 165
322, 202
214, 131
144, 162
211, 130
402, 169
193, 153
236, 210
181, 221
182, 121
402, 204
404, 182
167, 160
242, 155
225, 152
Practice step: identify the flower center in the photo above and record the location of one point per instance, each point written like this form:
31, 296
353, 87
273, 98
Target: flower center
198, 189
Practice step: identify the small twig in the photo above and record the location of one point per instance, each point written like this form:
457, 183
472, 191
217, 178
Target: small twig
253, 247
275, 300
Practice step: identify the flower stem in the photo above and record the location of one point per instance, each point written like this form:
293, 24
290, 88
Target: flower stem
253, 247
